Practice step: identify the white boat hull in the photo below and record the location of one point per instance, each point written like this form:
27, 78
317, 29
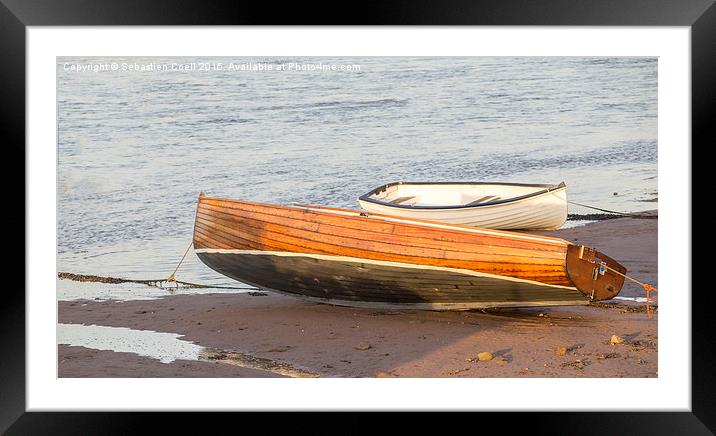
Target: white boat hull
546, 211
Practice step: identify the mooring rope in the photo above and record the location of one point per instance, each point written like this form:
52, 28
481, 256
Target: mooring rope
648, 289
172, 277
614, 212
148, 282
632, 215
151, 282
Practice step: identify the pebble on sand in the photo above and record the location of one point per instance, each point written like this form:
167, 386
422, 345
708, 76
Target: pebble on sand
561, 351
616, 340
485, 355
364, 345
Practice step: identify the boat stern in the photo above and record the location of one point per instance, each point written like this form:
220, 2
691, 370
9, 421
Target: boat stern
596, 275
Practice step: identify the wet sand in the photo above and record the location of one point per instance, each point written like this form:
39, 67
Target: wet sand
330, 341
83, 362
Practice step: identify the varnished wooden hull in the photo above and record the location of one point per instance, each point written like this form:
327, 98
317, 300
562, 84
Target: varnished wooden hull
344, 257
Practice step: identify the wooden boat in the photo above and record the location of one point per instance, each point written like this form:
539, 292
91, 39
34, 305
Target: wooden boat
353, 258
507, 206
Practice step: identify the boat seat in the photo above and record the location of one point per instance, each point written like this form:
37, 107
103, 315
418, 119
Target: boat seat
401, 199
483, 200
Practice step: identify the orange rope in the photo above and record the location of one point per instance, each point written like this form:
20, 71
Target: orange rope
172, 276
647, 288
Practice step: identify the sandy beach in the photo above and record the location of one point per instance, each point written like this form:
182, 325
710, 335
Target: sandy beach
270, 335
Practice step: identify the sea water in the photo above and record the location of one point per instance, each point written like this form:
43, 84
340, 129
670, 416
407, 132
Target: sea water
138, 139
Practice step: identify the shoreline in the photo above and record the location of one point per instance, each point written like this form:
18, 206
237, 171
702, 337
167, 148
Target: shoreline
332, 341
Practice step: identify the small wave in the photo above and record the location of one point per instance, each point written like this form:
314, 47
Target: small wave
341, 105
217, 120
386, 102
227, 120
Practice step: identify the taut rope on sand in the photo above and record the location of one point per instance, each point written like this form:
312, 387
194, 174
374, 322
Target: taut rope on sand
149, 282
647, 288
613, 212
172, 277
632, 215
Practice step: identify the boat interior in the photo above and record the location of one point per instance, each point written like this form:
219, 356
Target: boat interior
459, 194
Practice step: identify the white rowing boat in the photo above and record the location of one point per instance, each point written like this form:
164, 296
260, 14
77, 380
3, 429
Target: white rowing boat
507, 206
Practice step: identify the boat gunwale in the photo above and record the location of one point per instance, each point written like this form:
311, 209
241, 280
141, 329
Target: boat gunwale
548, 188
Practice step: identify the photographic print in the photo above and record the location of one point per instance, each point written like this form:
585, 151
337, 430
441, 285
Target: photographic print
392, 217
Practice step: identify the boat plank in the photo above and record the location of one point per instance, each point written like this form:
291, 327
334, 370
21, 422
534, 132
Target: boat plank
450, 233
324, 236
249, 241
342, 247
227, 243
553, 274
414, 240
205, 241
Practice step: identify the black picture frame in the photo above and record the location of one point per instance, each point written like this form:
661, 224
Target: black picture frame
16, 15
